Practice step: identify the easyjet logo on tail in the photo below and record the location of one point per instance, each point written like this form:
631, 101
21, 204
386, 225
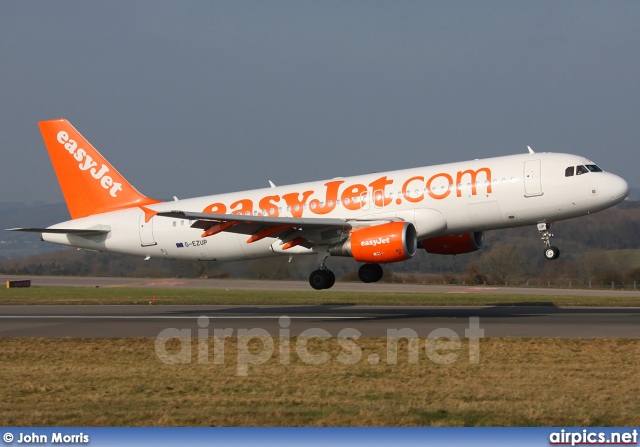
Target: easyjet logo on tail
88, 164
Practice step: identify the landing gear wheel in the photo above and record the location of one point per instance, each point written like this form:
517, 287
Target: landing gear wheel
318, 279
370, 273
331, 279
551, 253
378, 272
322, 279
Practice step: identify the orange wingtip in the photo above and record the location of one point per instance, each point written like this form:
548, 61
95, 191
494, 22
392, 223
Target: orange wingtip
148, 213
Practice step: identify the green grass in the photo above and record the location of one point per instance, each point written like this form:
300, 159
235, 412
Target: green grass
518, 382
122, 295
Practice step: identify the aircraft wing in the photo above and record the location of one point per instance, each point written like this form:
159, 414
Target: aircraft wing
263, 220
313, 230
204, 220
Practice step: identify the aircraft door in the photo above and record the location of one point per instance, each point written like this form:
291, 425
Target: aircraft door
146, 231
532, 178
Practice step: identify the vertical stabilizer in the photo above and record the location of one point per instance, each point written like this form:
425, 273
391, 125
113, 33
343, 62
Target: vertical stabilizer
89, 183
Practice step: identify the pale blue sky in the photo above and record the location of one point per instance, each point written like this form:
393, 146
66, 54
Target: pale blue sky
192, 98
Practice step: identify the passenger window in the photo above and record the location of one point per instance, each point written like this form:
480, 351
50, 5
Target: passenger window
581, 170
569, 171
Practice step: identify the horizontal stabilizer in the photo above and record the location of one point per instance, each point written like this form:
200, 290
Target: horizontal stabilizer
74, 231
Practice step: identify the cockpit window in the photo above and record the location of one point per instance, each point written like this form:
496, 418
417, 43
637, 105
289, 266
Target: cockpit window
581, 170
594, 168
569, 171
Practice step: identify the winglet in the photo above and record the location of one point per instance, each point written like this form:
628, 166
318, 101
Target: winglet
148, 213
530, 150
90, 184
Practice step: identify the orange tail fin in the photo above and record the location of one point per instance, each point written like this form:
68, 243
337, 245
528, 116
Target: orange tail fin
89, 183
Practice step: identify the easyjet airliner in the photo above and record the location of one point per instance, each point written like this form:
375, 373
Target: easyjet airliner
375, 218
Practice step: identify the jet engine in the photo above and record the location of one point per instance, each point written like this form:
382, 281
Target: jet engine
380, 244
454, 244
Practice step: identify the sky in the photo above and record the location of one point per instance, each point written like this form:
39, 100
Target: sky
195, 98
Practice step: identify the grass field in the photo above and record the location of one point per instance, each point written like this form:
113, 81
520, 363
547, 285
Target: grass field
79, 295
518, 382
122, 382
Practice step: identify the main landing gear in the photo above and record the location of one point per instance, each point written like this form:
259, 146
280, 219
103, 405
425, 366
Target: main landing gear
370, 273
550, 252
323, 278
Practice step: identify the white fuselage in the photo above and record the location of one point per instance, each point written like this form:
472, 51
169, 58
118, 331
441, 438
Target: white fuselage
446, 199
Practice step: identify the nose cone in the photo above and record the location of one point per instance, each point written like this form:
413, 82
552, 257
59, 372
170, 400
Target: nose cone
617, 188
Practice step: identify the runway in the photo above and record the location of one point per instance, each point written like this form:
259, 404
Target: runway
245, 284
370, 321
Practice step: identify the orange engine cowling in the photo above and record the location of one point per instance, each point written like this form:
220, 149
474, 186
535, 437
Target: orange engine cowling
454, 244
380, 244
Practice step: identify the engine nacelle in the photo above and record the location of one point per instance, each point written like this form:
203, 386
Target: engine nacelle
380, 244
454, 244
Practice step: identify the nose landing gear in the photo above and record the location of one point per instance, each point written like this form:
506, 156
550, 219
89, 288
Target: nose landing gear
550, 252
